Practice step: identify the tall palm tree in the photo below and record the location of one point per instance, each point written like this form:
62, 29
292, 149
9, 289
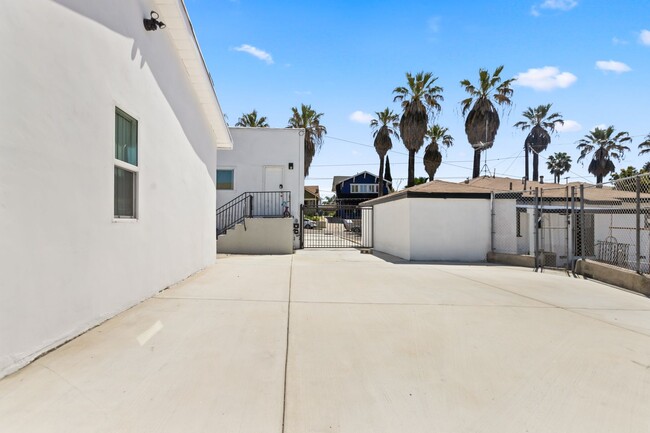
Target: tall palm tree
308, 119
558, 164
250, 120
605, 146
432, 156
540, 123
419, 98
387, 176
482, 120
384, 126
644, 147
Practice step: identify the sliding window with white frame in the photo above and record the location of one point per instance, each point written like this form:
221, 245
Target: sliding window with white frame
125, 166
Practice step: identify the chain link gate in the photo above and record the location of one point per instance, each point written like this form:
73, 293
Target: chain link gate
336, 226
558, 225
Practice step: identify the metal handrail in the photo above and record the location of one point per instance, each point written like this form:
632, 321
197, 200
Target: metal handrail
253, 204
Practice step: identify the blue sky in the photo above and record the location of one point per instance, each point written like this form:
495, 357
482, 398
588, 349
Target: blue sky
590, 59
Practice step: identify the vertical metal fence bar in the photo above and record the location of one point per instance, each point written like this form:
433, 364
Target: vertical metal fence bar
568, 220
582, 221
638, 224
492, 228
574, 237
541, 229
536, 228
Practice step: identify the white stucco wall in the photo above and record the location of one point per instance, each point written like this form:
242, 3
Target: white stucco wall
258, 236
449, 229
392, 228
257, 148
65, 264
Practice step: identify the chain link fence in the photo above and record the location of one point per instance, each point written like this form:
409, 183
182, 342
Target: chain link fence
558, 224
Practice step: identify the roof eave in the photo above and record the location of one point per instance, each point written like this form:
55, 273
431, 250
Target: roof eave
181, 31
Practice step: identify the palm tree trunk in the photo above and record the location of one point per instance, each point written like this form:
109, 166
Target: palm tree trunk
381, 176
526, 151
535, 166
477, 163
599, 181
411, 175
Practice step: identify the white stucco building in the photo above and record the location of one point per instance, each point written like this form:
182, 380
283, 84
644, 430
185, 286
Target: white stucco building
264, 160
108, 149
438, 221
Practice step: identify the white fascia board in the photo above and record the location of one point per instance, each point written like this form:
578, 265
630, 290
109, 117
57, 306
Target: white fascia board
178, 25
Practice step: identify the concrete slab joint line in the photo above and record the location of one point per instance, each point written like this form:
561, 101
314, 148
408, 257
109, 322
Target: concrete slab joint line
286, 355
340, 341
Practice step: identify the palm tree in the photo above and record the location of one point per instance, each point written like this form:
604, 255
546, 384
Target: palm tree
308, 119
645, 146
387, 176
605, 146
432, 156
250, 120
384, 126
558, 164
540, 123
419, 99
482, 121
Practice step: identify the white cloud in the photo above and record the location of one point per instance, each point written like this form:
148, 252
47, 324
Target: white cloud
569, 126
617, 41
644, 37
546, 78
360, 117
561, 5
302, 92
612, 66
255, 52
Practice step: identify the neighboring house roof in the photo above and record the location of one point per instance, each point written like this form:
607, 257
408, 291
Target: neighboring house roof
313, 190
554, 190
179, 27
339, 179
434, 189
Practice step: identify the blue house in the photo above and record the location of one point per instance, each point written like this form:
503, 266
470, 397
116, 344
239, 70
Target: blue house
360, 187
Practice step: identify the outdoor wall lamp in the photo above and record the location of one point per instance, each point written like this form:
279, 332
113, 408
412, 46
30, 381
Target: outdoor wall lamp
291, 166
151, 24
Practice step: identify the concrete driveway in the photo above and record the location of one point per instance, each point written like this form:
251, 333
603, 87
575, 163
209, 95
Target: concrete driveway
365, 344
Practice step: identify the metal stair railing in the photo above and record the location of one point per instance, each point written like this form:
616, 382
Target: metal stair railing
234, 212
256, 204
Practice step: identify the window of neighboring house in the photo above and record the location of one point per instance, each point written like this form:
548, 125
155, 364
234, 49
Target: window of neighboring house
363, 188
126, 166
226, 179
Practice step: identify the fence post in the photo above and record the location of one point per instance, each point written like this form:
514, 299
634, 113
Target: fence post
492, 228
566, 210
536, 228
573, 225
582, 221
638, 224
541, 229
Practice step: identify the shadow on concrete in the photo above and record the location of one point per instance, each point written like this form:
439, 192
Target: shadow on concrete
399, 261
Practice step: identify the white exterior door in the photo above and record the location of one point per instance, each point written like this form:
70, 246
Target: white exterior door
272, 203
273, 178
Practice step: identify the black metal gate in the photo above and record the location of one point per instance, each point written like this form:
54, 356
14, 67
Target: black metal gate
336, 226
